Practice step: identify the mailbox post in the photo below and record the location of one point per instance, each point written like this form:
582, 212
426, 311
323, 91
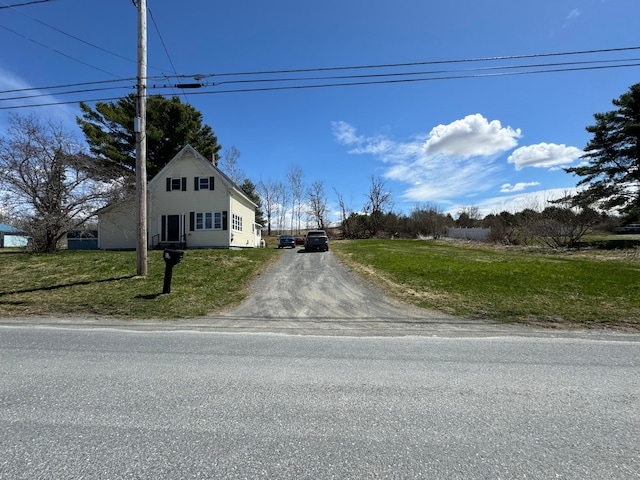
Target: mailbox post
171, 258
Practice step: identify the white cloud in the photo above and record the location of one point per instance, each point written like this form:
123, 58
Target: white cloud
451, 161
544, 155
538, 201
518, 187
458, 163
345, 133
471, 137
441, 178
9, 81
574, 13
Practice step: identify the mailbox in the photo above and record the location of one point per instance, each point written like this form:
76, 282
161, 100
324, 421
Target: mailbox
171, 258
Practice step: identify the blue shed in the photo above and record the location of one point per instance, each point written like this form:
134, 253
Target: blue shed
12, 237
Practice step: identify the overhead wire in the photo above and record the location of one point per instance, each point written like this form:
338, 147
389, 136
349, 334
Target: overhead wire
399, 74
430, 62
407, 80
339, 80
63, 33
66, 55
24, 4
200, 77
370, 77
73, 37
166, 50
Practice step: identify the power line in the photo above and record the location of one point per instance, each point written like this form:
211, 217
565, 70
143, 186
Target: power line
411, 64
57, 51
78, 39
166, 51
6, 5
409, 80
367, 79
68, 85
361, 67
399, 74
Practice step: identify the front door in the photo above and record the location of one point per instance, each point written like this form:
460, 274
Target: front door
171, 228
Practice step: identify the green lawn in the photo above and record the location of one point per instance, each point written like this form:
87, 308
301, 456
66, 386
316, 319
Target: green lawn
594, 287
586, 287
100, 283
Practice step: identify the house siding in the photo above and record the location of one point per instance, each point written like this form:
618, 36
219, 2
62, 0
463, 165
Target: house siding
246, 237
188, 201
186, 186
117, 227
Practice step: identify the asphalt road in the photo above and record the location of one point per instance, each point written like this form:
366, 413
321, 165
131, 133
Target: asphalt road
114, 403
316, 376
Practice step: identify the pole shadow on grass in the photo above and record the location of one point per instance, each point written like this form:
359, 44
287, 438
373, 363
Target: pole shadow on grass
66, 285
149, 296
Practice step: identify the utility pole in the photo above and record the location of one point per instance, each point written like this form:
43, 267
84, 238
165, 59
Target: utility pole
140, 126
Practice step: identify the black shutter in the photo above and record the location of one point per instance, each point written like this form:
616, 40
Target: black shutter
184, 184
211, 179
225, 222
192, 221
168, 184
196, 183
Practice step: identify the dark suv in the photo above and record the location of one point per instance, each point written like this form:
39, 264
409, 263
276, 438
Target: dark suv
286, 241
316, 240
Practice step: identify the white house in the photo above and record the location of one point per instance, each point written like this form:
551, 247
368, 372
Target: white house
190, 204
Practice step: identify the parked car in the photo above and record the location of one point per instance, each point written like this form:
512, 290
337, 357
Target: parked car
299, 241
316, 240
286, 241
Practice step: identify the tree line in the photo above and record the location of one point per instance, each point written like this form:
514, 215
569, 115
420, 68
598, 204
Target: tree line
51, 182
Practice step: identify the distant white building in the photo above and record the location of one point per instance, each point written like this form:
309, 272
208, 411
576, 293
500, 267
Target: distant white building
469, 233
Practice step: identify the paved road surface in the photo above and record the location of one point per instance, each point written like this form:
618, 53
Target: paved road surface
367, 388
116, 403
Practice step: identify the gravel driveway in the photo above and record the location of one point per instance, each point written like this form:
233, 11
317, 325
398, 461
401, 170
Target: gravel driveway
314, 285
313, 293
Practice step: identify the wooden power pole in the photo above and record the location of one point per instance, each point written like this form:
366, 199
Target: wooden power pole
141, 141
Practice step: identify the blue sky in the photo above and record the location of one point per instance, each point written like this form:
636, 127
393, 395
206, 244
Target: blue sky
488, 133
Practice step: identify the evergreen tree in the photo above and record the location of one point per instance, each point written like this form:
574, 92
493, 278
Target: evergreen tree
612, 174
109, 131
249, 188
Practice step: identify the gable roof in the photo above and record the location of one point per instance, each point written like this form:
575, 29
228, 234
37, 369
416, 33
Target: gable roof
8, 229
188, 150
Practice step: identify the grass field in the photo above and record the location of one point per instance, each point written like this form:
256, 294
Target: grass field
99, 283
593, 287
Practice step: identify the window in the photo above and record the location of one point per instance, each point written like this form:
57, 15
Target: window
237, 223
208, 221
203, 183
176, 183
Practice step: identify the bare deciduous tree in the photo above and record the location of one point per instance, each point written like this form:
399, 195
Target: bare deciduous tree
428, 220
469, 216
295, 176
346, 217
317, 204
268, 192
378, 200
50, 184
229, 165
